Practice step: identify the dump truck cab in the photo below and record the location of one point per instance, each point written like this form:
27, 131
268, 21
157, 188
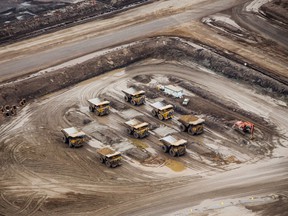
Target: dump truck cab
137, 129
192, 124
109, 157
162, 110
134, 96
100, 107
175, 147
73, 137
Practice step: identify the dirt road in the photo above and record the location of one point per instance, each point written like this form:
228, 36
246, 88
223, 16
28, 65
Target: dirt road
223, 171
73, 176
44, 51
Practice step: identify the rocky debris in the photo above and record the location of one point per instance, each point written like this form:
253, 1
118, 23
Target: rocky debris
137, 154
37, 17
160, 48
277, 10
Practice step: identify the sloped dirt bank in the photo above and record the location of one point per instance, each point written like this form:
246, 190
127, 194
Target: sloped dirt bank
172, 49
48, 19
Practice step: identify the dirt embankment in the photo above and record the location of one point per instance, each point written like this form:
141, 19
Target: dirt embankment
277, 10
45, 20
160, 48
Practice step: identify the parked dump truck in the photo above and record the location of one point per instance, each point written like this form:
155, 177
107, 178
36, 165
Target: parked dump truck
162, 110
100, 107
175, 147
192, 124
110, 157
134, 96
137, 129
73, 137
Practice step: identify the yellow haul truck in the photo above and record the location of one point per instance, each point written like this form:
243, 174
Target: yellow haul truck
192, 124
100, 107
137, 129
162, 111
175, 147
73, 137
134, 96
109, 157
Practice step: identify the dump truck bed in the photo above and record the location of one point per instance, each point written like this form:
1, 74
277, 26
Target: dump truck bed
135, 123
191, 120
160, 105
133, 91
72, 132
98, 102
107, 152
173, 141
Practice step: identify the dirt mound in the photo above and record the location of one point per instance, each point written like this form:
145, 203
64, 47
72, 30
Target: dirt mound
161, 48
39, 17
106, 136
277, 10
137, 154
142, 78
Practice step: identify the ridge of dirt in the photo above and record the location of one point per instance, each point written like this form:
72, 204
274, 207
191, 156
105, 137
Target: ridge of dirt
160, 48
277, 10
63, 17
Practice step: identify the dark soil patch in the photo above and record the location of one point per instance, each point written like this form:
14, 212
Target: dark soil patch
39, 18
143, 78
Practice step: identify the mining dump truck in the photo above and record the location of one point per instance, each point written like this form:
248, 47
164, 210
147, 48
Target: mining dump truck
100, 107
73, 137
109, 157
162, 111
192, 124
137, 129
174, 146
134, 97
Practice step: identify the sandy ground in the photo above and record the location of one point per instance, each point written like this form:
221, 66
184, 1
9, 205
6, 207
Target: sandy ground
49, 181
223, 172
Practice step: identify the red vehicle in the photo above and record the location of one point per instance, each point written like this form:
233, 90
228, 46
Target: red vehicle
245, 127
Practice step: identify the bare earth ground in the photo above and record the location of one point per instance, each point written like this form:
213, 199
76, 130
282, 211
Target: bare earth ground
223, 172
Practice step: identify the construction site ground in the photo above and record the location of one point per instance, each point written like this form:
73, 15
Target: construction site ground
229, 72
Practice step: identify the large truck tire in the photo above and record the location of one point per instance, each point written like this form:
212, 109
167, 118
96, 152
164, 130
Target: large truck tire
13, 112
128, 130
160, 117
183, 128
191, 131
133, 102
91, 109
164, 148
172, 152
126, 98
65, 140
154, 113
70, 144
101, 160
22, 102
136, 135
107, 163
